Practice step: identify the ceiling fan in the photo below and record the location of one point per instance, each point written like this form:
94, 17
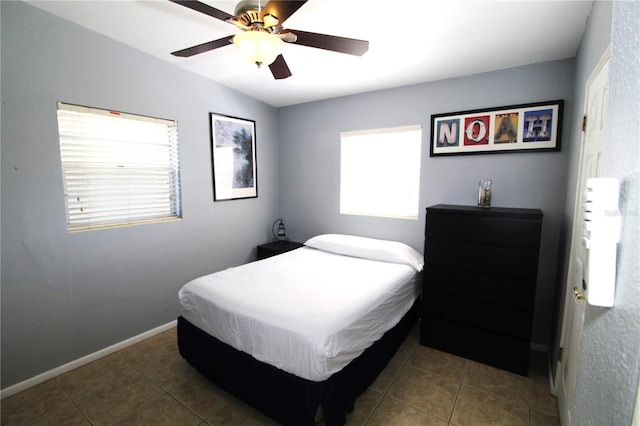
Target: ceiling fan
262, 35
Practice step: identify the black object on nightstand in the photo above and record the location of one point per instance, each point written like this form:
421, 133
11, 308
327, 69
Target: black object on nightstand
276, 247
479, 283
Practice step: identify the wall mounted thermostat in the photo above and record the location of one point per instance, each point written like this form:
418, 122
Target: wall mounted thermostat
601, 234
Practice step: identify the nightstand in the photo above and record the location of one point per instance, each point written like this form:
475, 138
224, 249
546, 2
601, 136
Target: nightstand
276, 247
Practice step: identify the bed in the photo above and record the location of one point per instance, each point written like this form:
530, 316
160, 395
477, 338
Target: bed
305, 331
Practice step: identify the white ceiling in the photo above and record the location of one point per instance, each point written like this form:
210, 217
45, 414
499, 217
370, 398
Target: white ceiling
410, 41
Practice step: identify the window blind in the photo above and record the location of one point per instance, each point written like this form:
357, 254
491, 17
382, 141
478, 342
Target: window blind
118, 169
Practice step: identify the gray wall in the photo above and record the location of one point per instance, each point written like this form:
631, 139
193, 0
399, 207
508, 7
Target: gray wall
609, 366
68, 295
310, 161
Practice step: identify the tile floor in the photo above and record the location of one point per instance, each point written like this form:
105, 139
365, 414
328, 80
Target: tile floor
150, 384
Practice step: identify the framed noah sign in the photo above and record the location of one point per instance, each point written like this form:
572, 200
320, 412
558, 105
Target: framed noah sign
233, 157
526, 127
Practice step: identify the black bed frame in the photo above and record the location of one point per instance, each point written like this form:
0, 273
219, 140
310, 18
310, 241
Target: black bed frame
286, 398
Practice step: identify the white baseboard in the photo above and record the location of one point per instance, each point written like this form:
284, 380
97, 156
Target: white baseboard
539, 347
47, 375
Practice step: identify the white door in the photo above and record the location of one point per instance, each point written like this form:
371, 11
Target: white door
574, 306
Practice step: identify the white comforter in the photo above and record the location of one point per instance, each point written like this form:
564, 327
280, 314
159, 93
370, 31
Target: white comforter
308, 311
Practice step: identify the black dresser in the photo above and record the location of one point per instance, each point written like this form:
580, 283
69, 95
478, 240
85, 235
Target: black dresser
479, 283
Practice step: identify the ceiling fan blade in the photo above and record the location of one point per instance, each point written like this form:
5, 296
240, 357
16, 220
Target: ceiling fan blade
282, 9
204, 47
280, 69
204, 8
349, 46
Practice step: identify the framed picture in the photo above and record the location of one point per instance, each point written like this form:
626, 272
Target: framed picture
233, 157
526, 127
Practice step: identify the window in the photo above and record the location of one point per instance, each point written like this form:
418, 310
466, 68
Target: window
118, 169
380, 172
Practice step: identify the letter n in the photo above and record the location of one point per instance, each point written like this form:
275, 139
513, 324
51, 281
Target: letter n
448, 132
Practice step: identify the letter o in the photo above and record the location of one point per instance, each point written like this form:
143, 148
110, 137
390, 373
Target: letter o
482, 130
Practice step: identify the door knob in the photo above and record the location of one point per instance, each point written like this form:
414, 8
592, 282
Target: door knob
577, 294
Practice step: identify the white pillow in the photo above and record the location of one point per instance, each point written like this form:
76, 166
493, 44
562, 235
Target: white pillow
368, 248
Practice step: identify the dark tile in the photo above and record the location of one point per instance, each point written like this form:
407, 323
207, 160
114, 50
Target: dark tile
437, 362
499, 382
164, 411
119, 399
541, 397
405, 350
200, 395
238, 413
425, 391
539, 418
475, 407
67, 416
172, 332
150, 351
33, 403
364, 408
93, 376
386, 377
395, 413
169, 372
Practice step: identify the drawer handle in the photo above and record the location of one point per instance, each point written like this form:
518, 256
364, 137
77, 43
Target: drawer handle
577, 294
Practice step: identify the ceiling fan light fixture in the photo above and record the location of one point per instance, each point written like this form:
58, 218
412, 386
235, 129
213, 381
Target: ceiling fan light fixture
263, 36
270, 20
259, 47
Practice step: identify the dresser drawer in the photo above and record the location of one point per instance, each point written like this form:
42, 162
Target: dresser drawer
487, 260
451, 227
509, 233
487, 288
477, 314
497, 350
